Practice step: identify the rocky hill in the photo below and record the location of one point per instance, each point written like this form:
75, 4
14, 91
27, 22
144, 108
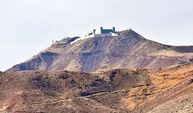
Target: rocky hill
102, 74
116, 91
127, 50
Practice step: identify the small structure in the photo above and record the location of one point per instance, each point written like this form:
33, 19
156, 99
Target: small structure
92, 33
107, 31
103, 32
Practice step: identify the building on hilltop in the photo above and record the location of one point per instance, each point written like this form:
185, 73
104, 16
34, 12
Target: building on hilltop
103, 32
107, 31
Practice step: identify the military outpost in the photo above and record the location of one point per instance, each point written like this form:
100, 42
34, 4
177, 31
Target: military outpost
103, 32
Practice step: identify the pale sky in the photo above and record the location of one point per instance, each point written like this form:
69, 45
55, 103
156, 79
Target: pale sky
29, 26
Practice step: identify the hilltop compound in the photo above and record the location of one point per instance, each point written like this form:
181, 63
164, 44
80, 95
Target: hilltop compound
103, 32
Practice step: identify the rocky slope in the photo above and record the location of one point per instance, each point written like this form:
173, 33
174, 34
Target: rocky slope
127, 50
116, 91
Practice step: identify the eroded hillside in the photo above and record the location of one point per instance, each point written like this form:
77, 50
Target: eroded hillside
120, 91
127, 50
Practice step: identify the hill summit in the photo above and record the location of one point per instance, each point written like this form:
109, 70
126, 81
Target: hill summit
99, 52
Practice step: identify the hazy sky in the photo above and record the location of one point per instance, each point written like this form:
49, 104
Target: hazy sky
29, 26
